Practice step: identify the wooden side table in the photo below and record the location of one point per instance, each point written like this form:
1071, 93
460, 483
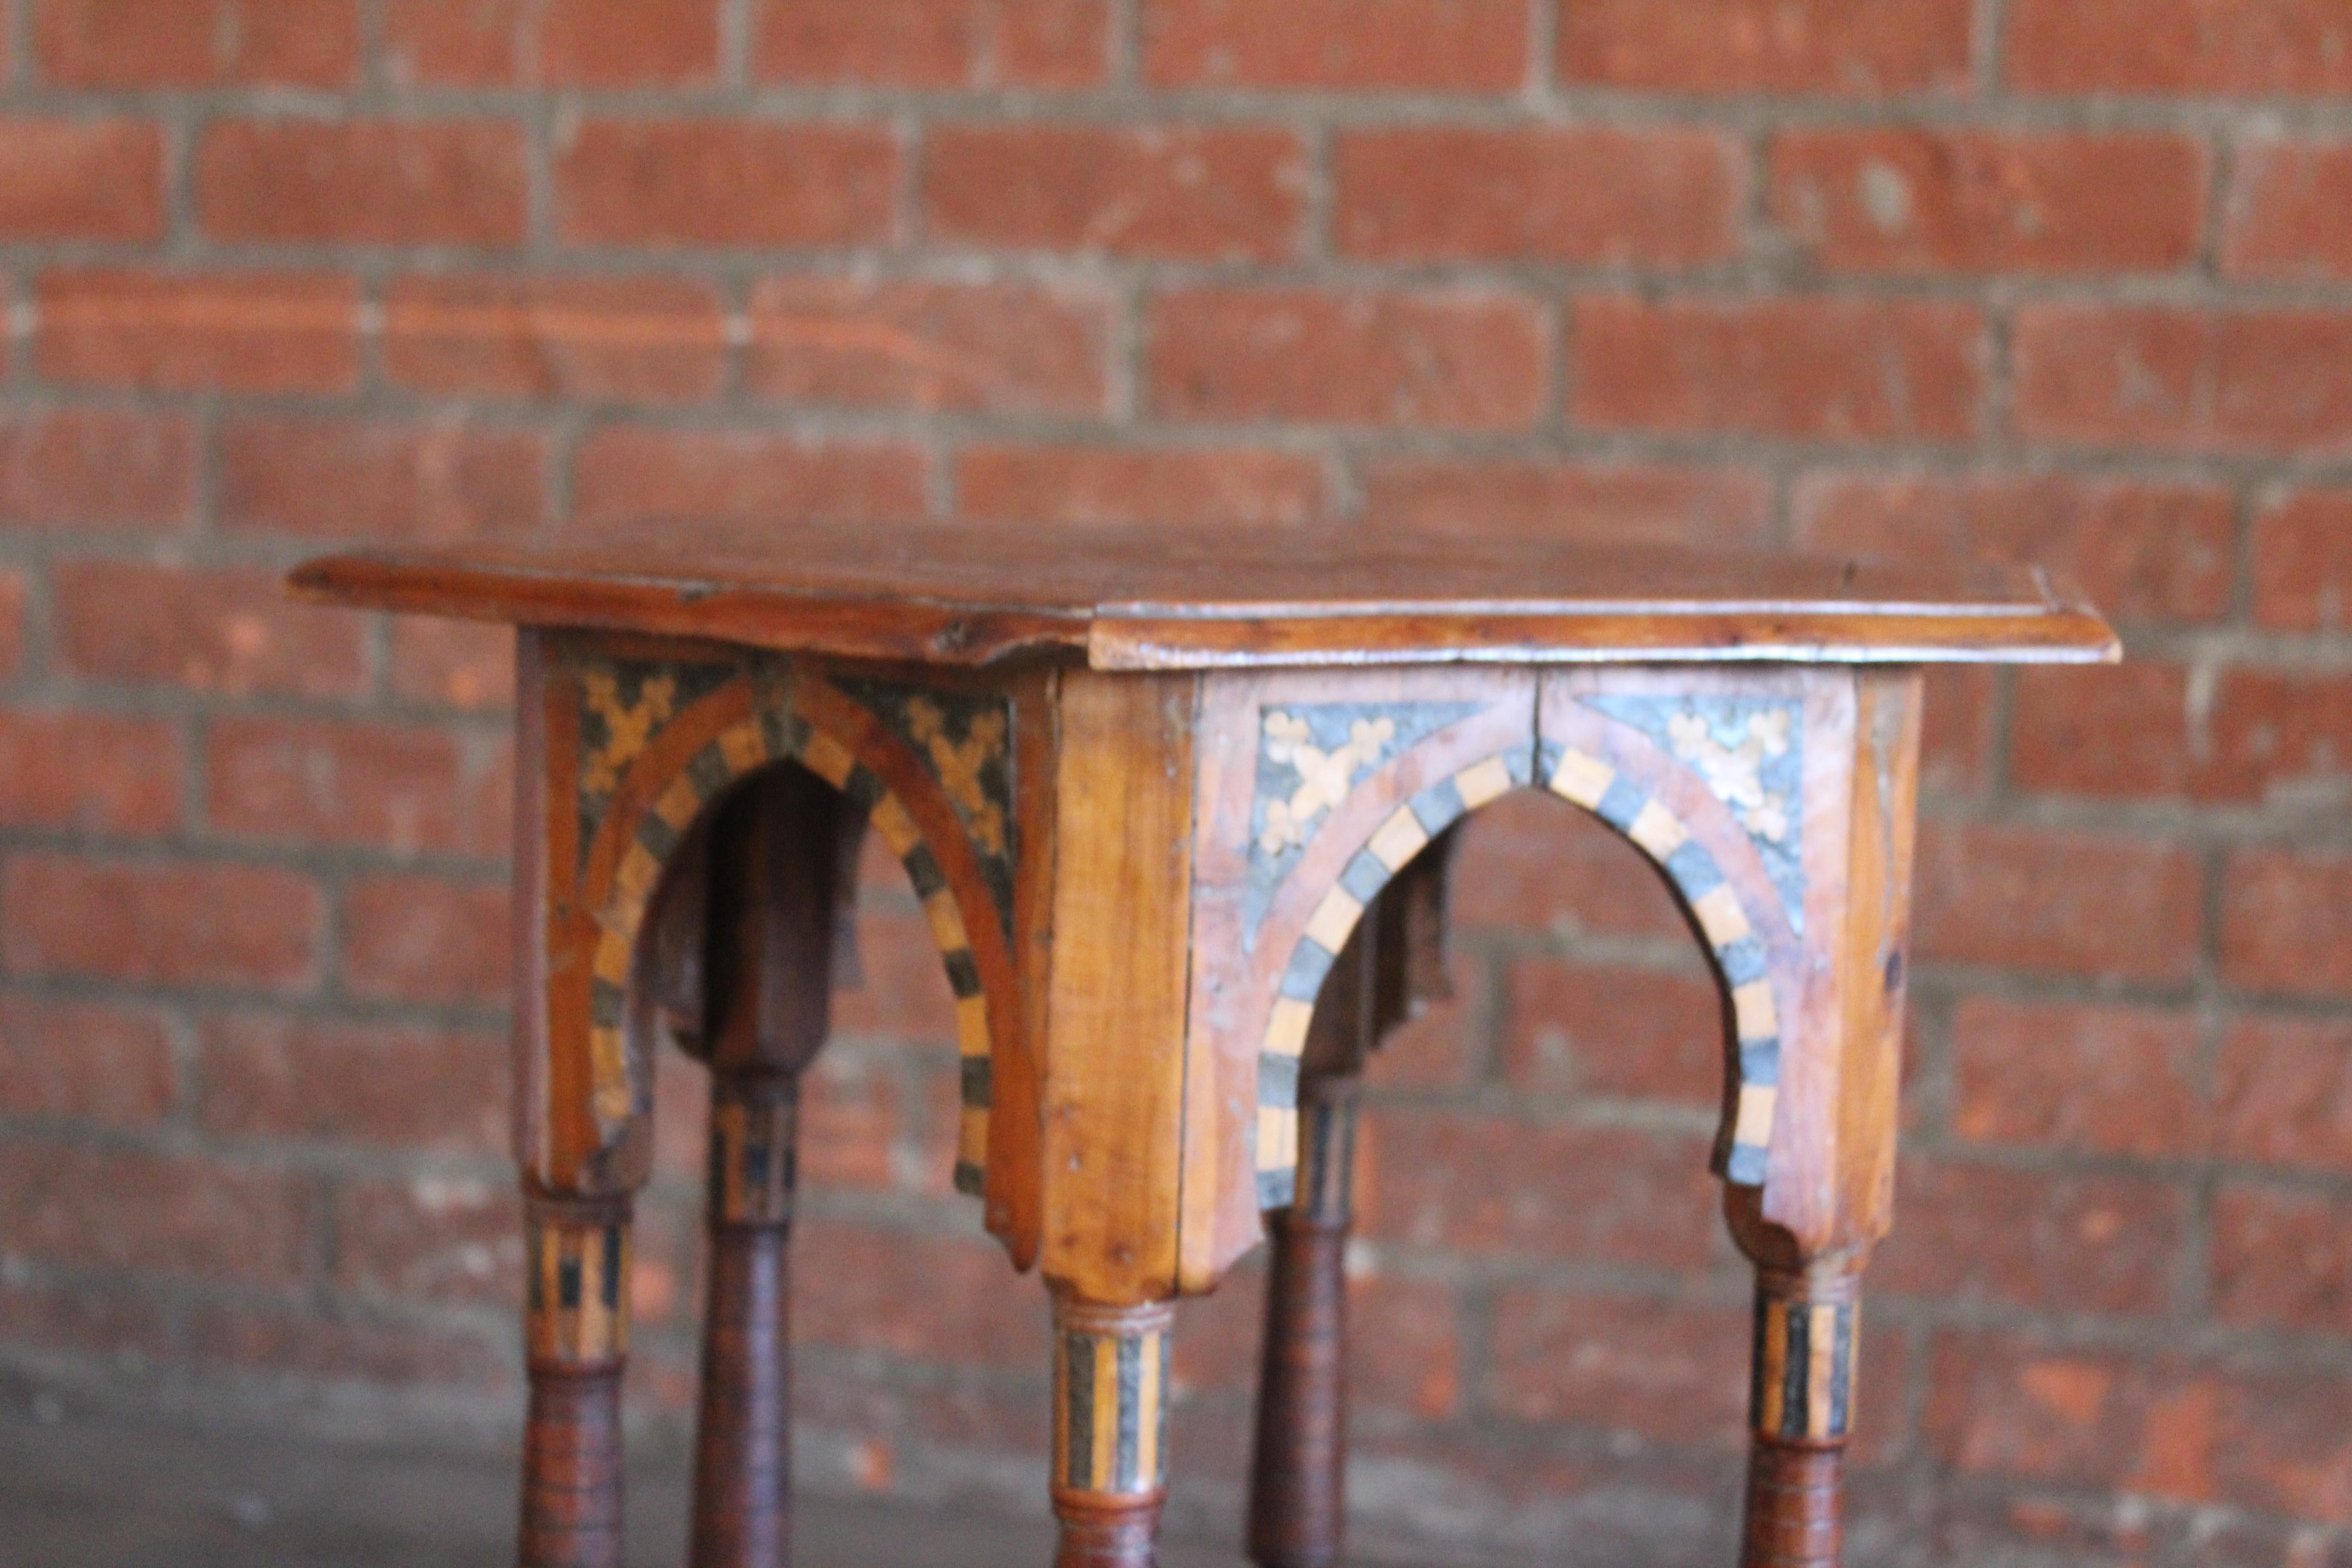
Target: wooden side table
1147, 788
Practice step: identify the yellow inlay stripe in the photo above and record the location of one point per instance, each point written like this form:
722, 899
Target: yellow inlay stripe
1105, 1402
1278, 1138
1286, 1033
744, 745
947, 922
1400, 837
1822, 1363
1753, 1126
1752, 1006
827, 759
1721, 916
898, 829
1658, 830
680, 802
633, 881
1334, 918
1146, 1410
1582, 778
611, 963
1483, 782
971, 1025
971, 1137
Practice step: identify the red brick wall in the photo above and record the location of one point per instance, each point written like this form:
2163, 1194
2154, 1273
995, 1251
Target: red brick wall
2065, 279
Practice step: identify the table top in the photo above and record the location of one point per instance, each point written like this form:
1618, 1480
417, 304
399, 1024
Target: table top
1167, 598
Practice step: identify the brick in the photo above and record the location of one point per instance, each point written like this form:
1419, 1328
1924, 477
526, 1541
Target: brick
410, 1089
343, 479
2056, 902
1161, 192
1445, 1046
1841, 370
2302, 562
1426, 45
122, 1209
1956, 743
2157, 1426
720, 182
1533, 861
346, 1349
1455, 360
186, 923
2286, 211
980, 44
634, 340
2282, 1260
104, 773
97, 468
453, 664
439, 1239
2087, 1080
362, 182
229, 633
2248, 736
125, 1324
12, 624
904, 994
1593, 195
453, 43
236, 332
1669, 1372
1845, 47
426, 939
629, 472
1614, 503
589, 43
84, 1061
2180, 45
403, 788
81, 179
2281, 927
1171, 485
1598, 1195
868, 1289
2282, 1094
2142, 549
1576, 1026
935, 347
853, 1122
2030, 1238
1916, 200
135, 44
2150, 376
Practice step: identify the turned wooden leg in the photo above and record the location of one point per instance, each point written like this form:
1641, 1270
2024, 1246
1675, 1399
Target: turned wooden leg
1807, 1322
1110, 1431
742, 1458
780, 866
577, 1338
1299, 1473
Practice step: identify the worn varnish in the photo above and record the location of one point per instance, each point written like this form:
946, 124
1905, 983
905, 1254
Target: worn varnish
1175, 809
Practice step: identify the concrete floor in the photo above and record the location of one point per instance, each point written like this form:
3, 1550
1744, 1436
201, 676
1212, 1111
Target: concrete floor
82, 1486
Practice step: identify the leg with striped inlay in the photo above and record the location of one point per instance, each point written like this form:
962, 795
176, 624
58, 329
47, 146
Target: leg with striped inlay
1807, 1324
1110, 1430
576, 1341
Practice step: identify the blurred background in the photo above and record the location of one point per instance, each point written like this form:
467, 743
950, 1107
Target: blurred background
2067, 281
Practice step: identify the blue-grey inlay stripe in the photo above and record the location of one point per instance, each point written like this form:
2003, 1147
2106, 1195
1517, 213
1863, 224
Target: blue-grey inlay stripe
1303, 981
970, 1179
1439, 806
979, 1085
782, 733
1742, 961
1277, 1079
710, 772
1693, 871
657, 835
1127, 1452
863, 788
608, 1005
923, 870
1746, 1165
1759, 1063
1365, 877
963, 973
1842, 1371
1275, 1189
1622, 803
